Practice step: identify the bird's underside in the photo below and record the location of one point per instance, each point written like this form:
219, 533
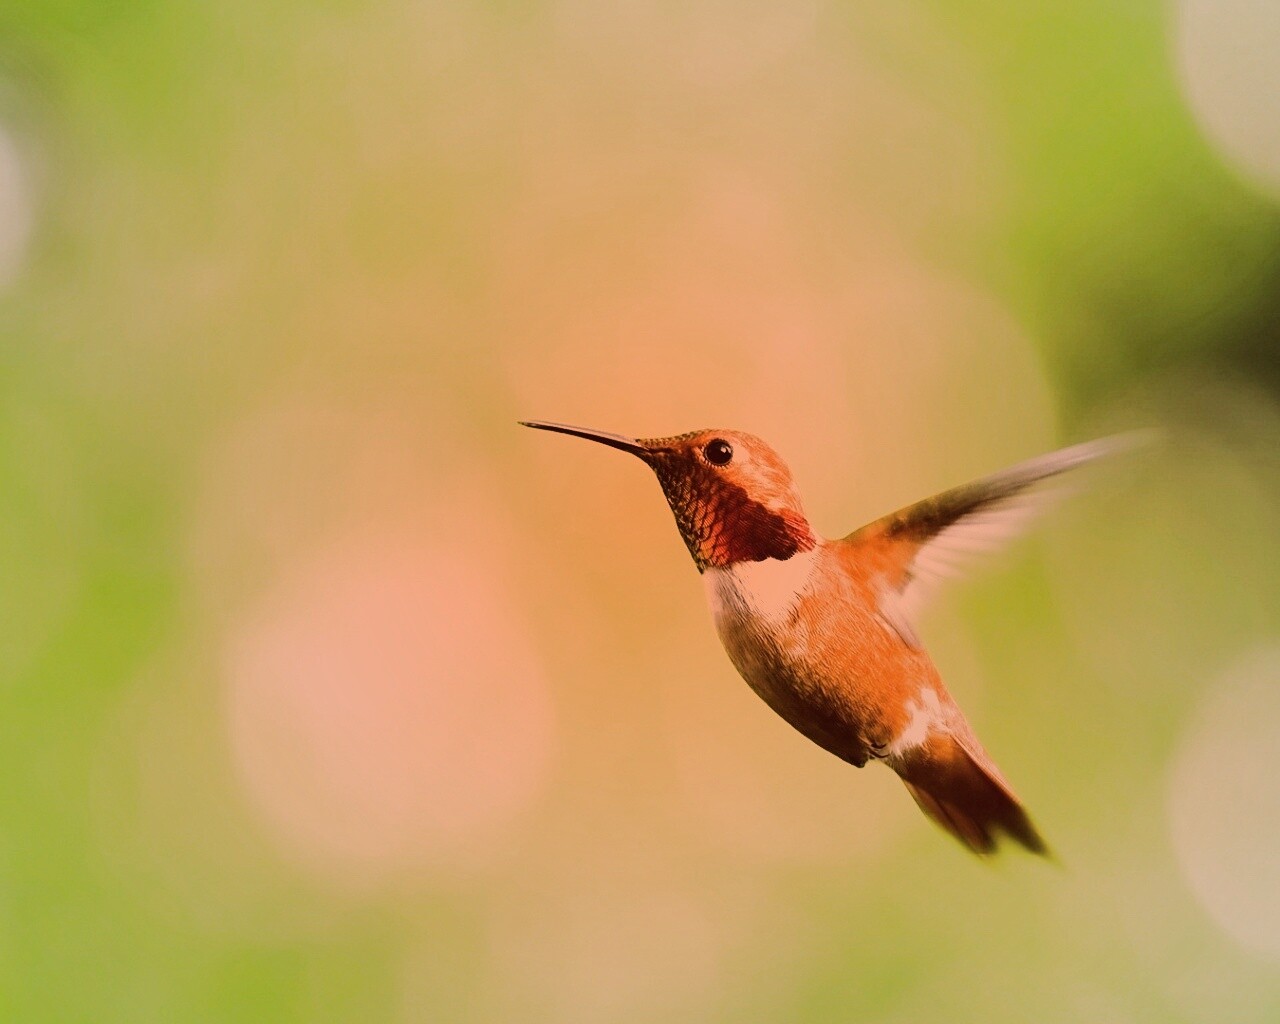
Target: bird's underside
829, 665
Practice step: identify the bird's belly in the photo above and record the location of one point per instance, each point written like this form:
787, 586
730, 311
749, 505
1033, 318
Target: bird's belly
786, 658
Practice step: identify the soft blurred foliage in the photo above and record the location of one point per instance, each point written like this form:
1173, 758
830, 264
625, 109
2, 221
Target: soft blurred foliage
328, 694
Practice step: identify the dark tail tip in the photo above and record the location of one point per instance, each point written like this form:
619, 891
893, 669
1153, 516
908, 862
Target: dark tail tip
968, 800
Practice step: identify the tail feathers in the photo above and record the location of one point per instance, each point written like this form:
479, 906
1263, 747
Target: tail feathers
965, 794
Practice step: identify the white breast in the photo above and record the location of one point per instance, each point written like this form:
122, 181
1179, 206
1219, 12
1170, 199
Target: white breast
767, 590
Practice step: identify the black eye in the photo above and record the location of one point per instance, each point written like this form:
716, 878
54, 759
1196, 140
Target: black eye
718, 452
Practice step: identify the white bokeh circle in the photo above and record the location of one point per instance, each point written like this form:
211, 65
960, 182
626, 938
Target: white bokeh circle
1228, 54
1224, 802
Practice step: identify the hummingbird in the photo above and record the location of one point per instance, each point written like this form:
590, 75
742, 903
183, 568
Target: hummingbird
825, 630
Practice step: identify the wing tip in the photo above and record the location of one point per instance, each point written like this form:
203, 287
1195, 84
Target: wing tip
1122, 443
1085, 452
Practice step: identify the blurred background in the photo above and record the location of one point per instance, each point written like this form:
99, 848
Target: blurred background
329, 694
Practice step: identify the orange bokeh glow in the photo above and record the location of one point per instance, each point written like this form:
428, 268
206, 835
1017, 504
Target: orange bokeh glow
386, 709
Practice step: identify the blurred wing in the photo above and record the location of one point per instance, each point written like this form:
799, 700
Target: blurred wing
919, 546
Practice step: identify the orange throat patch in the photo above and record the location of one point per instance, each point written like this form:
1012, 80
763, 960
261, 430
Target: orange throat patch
722, 524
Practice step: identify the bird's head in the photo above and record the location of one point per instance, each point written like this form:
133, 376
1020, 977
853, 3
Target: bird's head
732, 495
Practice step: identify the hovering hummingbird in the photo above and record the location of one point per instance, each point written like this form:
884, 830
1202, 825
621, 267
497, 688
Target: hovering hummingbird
824, 630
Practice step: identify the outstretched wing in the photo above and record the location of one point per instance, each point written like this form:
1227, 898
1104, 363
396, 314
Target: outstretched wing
918, 546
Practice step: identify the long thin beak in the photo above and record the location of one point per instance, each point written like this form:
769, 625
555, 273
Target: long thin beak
626, 444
